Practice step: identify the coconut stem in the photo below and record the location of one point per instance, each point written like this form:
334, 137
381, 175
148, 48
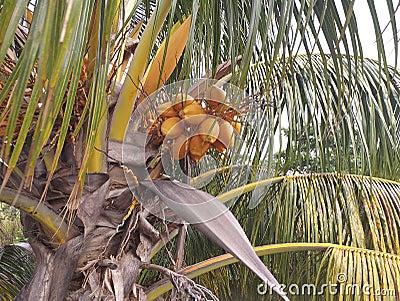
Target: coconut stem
180, 244
186, 170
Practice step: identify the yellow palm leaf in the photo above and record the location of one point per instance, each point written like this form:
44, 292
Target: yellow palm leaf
165, 60
136, 30
135, 73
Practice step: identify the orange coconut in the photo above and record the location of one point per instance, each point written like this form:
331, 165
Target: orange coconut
209, 130
193, 113
172, 127
198, 148
181, 100
180, 147
226, 134
166, 109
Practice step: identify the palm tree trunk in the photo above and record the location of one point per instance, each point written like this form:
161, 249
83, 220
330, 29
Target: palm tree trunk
54, 269
102, 262
57, 274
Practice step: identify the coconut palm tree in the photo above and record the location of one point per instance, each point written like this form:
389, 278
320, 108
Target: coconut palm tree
85, 149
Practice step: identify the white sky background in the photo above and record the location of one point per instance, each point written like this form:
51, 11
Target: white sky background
366, 28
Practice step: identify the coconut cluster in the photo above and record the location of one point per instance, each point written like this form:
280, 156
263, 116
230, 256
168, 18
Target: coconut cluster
192, 126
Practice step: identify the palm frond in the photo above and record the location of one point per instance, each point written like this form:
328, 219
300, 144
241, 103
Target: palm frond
329, 116
60, 69
349, 210
16, 269
46, 216
358, 273
344, 272
212, 264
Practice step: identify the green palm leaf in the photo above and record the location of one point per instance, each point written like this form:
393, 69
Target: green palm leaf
358, 273
348, 210
345, 273
353, 118
16, 269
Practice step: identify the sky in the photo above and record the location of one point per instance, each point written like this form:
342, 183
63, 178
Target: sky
366, 28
